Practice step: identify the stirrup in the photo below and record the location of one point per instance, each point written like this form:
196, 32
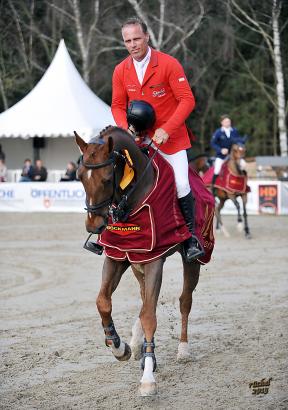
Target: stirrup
198, 250
93, 246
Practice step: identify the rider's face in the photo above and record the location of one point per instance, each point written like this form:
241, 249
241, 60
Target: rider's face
226, 123
135, 40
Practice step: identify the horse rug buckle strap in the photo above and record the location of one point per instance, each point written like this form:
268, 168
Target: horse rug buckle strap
121, 211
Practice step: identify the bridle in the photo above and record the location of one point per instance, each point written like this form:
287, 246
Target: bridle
121, 211
93, 209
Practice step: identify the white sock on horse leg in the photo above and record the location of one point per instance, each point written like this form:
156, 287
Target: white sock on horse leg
148, 371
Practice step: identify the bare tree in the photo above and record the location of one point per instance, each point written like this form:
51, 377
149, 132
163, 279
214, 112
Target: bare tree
176, 33
270, 35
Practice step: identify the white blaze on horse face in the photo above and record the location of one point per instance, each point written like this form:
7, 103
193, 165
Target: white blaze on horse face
89, 173
90, 203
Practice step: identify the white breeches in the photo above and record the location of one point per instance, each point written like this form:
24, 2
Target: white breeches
242, 164
179, 163
219, 162
218, 165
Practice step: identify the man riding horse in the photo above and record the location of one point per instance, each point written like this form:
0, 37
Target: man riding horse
159, 79
222, 141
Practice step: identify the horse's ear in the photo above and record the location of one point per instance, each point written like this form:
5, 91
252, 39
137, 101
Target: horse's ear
110, 144
80, 142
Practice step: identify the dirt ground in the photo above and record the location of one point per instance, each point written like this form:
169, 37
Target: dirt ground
52, 344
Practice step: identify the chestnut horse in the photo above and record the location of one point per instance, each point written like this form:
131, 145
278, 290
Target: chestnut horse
237, 152
100, 171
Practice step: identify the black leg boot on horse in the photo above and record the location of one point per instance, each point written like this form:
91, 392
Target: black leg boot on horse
192, 246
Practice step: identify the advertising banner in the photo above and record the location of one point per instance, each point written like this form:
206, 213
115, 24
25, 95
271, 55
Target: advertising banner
42, 197
268, 199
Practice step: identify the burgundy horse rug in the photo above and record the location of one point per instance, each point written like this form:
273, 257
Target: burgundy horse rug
157, 224
226, 180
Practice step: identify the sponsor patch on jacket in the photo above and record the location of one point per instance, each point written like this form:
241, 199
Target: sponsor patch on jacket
131, 87
181, 79
159, 93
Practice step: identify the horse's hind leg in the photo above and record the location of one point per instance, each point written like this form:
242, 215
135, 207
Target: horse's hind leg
246, 227
136, 341
111, 275
239, 217
219, 223
190, 280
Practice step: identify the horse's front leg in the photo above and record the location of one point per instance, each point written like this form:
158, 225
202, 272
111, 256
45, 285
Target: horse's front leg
190, 280
111, 275
153, 280
219, 223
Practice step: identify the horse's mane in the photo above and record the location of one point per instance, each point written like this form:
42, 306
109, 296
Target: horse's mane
117, 133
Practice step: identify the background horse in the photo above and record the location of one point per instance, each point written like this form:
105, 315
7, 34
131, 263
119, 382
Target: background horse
100, 172
231, 173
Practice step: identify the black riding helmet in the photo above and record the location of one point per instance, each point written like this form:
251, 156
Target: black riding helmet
141, 115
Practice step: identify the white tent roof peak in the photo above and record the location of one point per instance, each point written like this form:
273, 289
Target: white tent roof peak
60, 103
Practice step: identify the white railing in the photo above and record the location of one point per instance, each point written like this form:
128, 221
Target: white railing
54, 175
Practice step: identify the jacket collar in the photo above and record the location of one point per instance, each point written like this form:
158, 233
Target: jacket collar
151, 66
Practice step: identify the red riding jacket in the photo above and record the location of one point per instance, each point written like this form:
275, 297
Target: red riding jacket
165, 87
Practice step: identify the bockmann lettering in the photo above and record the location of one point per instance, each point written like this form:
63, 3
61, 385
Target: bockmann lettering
123, 228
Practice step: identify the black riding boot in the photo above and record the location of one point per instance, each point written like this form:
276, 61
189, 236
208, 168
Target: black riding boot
192, 246
214, 190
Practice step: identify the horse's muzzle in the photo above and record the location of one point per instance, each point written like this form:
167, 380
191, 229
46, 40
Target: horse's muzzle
96, 228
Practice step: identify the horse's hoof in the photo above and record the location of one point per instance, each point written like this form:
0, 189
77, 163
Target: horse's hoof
136, 351
126, 355
248, 236
225, 232
240, 227
147, 389
183, 354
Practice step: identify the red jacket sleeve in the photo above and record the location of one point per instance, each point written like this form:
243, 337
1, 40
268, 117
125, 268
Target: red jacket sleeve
119, 100
183, 94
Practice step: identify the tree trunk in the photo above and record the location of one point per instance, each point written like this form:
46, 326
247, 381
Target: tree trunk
3, 94
279, 79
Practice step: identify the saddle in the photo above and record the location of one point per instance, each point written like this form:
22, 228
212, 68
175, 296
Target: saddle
227, 181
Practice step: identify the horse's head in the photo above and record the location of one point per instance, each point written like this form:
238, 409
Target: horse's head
237, 152
96, 174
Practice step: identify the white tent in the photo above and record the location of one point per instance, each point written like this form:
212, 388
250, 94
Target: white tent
60, 103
